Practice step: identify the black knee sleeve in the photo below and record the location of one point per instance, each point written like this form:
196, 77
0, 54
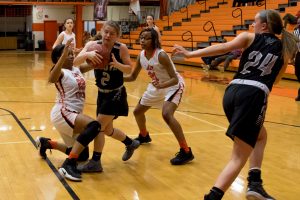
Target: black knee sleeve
89, 133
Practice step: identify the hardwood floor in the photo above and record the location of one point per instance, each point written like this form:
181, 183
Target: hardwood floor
25, 103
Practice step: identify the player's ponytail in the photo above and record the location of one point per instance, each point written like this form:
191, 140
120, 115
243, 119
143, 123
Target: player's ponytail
275, 26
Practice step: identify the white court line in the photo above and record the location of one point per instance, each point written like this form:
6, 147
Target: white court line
179, 112
185, 132
19, 142
196, 118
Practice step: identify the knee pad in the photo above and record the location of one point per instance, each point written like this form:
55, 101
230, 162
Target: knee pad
89, 133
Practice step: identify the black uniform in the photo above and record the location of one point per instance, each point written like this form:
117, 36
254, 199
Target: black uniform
112, 96
245, 99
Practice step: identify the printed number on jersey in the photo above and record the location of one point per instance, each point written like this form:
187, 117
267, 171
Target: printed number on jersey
105, 78
265, 66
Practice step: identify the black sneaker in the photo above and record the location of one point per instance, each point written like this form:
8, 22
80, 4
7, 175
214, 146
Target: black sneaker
90, 166
42, 145
143, 139
256, 191
130, 149
297, 98
182, 157
206, 197
69, 170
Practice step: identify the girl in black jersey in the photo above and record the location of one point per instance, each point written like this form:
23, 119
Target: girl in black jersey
297, 57
263, 61
112, 96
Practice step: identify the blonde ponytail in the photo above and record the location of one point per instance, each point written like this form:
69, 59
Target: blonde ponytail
289, 45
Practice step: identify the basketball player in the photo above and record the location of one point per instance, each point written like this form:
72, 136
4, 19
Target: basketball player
76, 129
165, 90
66, 35
263, 61
297, 57
151, 24
112, 96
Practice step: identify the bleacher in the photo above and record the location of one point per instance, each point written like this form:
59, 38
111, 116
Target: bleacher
194, 17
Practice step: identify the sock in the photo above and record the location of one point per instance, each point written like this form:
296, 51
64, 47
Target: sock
127, 141
254, 175
144, 132
53, 144
96, 156
214, 194
184, 146
68, 150
73, 156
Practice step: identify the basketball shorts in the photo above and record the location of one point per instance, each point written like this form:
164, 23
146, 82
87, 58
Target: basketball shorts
156, 97
64, 121
113, 103
245, 107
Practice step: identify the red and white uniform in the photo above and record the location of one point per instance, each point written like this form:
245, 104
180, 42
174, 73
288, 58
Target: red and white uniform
158, 73
67, 37
70, 100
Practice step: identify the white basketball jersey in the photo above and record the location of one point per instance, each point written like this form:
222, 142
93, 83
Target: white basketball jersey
69, 36
156, 71
71, 90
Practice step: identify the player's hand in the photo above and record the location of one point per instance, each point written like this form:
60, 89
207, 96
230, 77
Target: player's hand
94, 57
179, 51
156, 84
67, 48
114, 62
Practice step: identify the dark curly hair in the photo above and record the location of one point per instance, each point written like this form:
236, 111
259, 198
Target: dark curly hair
154, 36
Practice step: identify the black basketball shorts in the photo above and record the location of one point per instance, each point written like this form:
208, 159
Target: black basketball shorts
245, 107
113, 103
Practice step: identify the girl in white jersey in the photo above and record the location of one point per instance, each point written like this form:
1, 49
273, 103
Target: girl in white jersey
165, 90
76, 129
66, 35
151, 24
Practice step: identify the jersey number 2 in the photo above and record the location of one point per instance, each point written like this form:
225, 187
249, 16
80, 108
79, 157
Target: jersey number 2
105, 78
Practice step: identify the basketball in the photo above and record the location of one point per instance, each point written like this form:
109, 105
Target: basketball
103, 52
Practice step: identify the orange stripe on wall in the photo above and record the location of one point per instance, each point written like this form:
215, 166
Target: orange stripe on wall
38, 27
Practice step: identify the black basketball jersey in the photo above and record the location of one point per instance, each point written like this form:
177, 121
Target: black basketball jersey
110, 77
262, 60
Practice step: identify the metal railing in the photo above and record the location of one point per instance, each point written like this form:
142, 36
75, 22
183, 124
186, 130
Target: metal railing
200, 3
186, 9
239, 14
264, 3
211, 27
191, 38
169, 27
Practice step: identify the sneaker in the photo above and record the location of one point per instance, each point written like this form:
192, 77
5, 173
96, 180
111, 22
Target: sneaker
182, 157
69, 170
143, 139
206, 67
130, 149
91, 166
256, 192
221, 69
42, 145
297, 98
